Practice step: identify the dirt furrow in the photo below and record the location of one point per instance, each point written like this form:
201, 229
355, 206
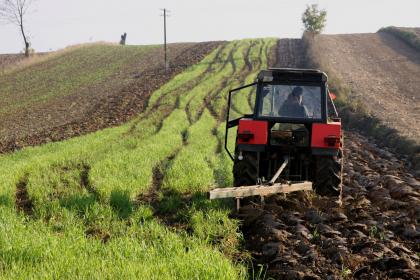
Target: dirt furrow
193, 119
244, 72
374, 234
189, 86
84, 180
248, 61
290, 53
23, 201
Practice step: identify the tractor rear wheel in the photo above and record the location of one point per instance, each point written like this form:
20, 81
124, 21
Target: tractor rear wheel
245, 171
328, 175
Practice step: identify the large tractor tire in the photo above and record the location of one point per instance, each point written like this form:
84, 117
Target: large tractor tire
328, 175
245, 171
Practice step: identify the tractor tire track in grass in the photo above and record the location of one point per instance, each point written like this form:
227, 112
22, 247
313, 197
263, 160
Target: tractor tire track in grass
226, 84
250, 68
244, 76
98, 233
152, 195
80, 171
84, 180
165, 107
172, 190
247, 57
23, 202
194, 116
187, 86
218, 92
155, 197
211, 114
207, 105
223, 86
190, 84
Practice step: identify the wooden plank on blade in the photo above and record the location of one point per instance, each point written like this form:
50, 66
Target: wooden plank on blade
260, 190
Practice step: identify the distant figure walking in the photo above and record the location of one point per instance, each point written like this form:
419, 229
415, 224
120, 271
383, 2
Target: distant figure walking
123, 39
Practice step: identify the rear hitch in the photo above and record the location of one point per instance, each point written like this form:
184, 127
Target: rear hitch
261, 190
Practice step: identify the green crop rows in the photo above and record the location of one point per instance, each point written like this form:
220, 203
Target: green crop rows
65, 74
129, 202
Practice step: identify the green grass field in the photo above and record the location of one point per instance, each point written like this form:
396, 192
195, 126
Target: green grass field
130, 202
65, 74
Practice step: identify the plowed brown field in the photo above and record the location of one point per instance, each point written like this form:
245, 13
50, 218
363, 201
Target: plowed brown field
7, 60
382, 71
374, 234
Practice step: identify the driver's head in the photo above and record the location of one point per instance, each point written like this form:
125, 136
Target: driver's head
297, 94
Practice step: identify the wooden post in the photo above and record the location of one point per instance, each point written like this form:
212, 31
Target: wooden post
164, 39
259, 190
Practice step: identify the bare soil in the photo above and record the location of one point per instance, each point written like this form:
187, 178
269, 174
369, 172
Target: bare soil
11, 60
382, 71
7, 60
374, 233
99, 106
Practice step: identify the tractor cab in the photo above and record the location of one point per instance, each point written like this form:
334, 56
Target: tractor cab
284, 128
286, 96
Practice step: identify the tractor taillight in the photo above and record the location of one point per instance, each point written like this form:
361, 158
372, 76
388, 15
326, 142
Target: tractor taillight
332, 140
245, 136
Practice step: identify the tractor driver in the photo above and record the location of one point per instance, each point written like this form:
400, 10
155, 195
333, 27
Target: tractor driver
293, 106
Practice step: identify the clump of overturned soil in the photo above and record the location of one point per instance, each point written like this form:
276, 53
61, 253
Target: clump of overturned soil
98, 107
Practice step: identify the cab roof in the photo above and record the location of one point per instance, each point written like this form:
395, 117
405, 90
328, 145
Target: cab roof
292, 75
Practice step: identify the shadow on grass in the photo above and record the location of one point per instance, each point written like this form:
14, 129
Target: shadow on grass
6, 201
174, 201
175, 207
78, 202
121, 203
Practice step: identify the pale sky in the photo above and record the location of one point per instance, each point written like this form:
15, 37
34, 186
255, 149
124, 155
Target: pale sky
55, 24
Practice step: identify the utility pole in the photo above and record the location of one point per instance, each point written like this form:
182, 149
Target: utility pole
165, 14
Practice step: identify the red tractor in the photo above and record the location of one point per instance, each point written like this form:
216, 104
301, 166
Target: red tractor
288, 139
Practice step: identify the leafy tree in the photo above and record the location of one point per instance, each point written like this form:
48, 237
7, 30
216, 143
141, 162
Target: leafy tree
14, 12
314, 19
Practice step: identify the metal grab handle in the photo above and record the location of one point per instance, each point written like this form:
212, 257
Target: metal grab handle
286, 161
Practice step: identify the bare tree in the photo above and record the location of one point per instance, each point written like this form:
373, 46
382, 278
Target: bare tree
14, 12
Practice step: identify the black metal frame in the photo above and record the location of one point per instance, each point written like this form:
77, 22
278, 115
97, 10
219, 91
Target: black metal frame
235, 122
